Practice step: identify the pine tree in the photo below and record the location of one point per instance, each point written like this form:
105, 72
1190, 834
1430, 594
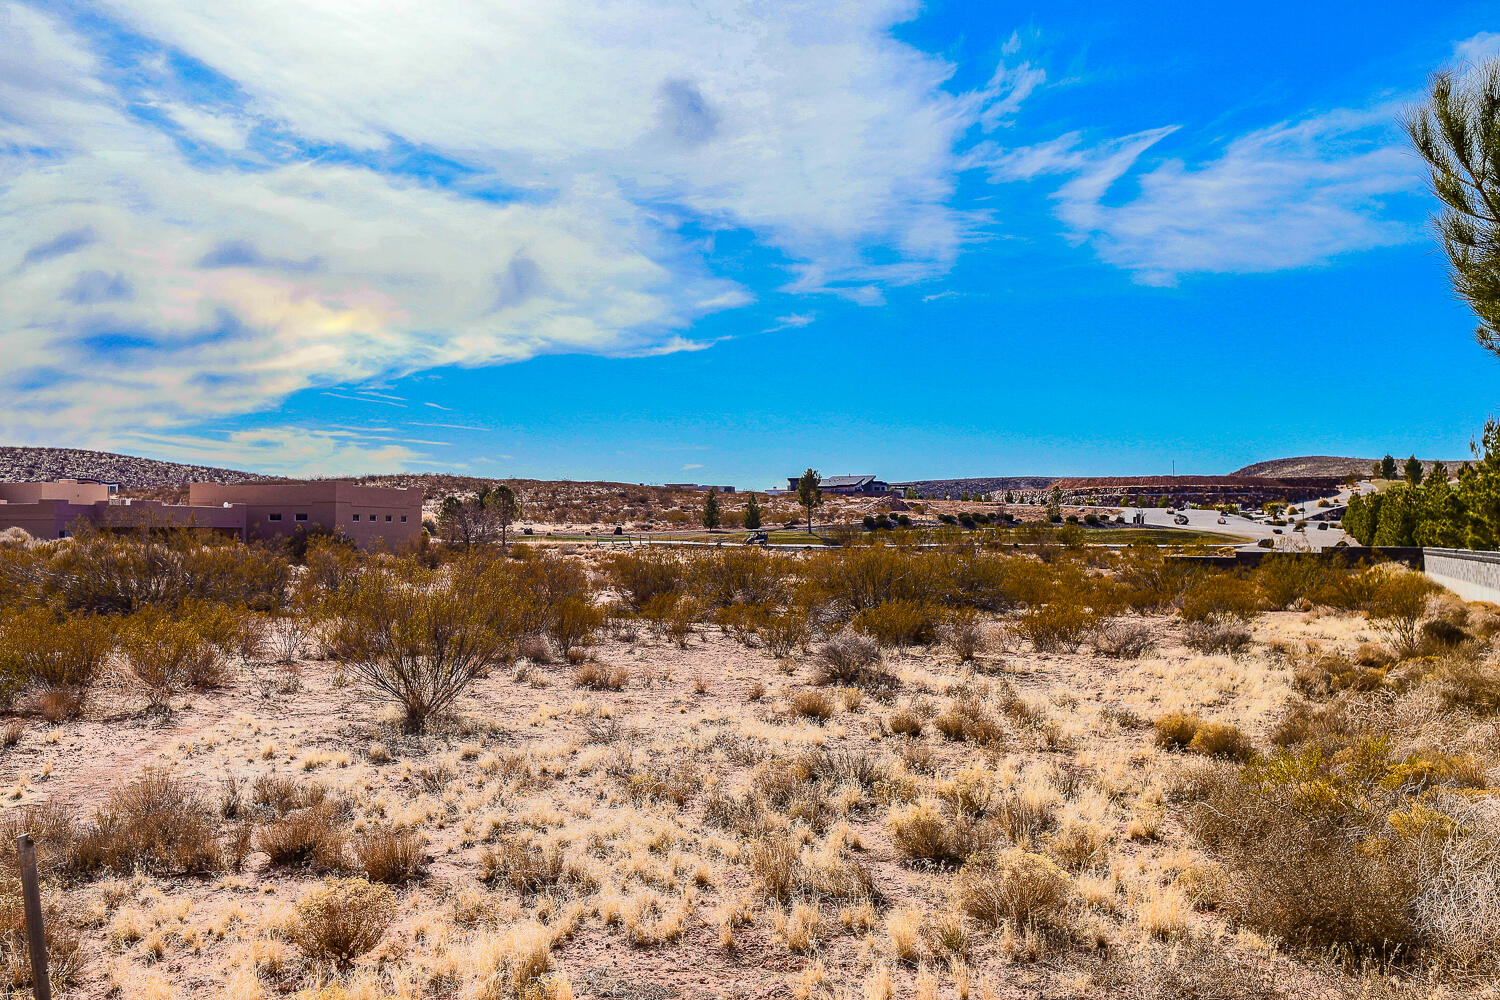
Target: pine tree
1458, 133
1388, 467
752, 512
711, 513
1413, 471
809, 494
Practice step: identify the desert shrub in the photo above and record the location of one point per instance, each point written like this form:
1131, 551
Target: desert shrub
646, 575
313, 837
1220, 597
524, 868
37, 647
1396, 608
1219, 739
1330, 851
342, 919
1440, 635
1014, 886
812, 704
1120, 638
904, 722
962, 634
1370, 654
536, 648
781, 872
391, 856
1463, 682
781, 630
601, 676
674, 615
1176, 730
966, 719
1080, 845
1057, 626
332, 561
850, 658
167, 654
775, 862
1285, 579
279, 794
65, 955
574, 620
725, 577
1229, 638
899, 622
157, 823
927, 831
420, 642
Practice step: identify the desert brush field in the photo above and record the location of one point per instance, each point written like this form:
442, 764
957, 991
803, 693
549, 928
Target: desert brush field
871, 772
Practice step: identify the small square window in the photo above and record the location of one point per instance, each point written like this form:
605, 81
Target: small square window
273, 517
403, 518
302, 517
356, 517
388, 517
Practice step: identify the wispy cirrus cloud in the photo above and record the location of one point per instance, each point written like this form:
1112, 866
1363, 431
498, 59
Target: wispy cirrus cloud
209, 208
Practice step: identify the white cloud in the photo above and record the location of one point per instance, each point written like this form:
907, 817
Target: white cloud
1294, 194
284, 450
691, 466
153, 288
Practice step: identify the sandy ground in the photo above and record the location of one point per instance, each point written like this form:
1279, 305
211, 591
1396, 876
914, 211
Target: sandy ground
531, 755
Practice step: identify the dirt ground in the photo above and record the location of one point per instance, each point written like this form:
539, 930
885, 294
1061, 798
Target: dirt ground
660, 901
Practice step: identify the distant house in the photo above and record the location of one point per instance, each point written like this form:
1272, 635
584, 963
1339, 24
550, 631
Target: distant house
859, 486
696, 487
370, 516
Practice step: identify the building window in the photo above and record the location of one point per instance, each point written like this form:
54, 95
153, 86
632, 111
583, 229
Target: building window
356, 517
302, 517
403, 518
273, 517
388, 517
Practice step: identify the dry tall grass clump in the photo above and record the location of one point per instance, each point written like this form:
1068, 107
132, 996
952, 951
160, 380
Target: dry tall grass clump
342, 919
1014, 886
158, 823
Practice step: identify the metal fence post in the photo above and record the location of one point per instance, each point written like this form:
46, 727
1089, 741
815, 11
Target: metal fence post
36, 934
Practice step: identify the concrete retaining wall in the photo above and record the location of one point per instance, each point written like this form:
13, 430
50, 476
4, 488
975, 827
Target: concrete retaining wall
1474, 576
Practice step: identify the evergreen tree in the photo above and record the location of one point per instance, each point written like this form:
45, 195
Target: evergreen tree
752, 512
1010, 497
711, 513
1458, 133
1412, 471
1388, 467
1375, 470
1439, 471
808, 493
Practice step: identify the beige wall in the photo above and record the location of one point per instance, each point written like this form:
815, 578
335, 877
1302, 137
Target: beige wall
62, 489
272, 509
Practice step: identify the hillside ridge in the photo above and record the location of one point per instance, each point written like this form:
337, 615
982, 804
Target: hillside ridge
1330, 465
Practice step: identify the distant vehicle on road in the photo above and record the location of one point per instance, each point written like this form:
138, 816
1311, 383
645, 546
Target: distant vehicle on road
1223, 520
758, 538
1180, 519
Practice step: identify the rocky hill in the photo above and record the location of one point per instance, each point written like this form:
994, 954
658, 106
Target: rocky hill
991, 484
1330, 465
132, 473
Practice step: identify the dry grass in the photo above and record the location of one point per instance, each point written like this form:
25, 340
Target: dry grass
913, 823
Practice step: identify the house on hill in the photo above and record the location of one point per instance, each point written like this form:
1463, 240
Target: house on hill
857, 486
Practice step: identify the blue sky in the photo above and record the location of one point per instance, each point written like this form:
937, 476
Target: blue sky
726, 241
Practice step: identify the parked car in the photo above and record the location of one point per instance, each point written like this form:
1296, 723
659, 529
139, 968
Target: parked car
758, 538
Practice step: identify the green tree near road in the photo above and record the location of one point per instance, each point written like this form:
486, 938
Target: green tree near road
1387, 468
1412, 471
1457, 132
752, 512
809, 495
712, 515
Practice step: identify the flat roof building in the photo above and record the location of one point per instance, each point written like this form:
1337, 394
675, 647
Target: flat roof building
369, 516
